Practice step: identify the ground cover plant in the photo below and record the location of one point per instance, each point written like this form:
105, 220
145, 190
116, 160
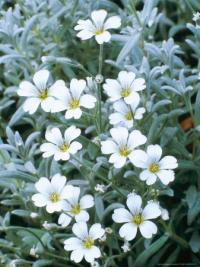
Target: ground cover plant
99, 133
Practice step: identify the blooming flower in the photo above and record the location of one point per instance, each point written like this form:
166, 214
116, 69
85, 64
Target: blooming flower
72, 99
136, 217
154, 167
39, 92
122, 146
59, 146
126, 114
83, 246
74, 207
98, 26
125, 87
51, 193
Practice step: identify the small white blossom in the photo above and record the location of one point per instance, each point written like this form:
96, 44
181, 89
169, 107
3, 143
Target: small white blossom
196, 16
125, 87
101, 188
51, 193
136, 217
126, 246
39, 92
126, 114
72, 99
154, 167
82, 246
61, 147
75, 207
98, 26
122, 145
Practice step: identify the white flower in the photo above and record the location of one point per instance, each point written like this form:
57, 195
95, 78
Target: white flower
75, 207
102, 188
126, 246
125, 87
126, 114
136, 218
122, 146
196, 16
39, 92
33, 252
97, 26
59, 146
83, 246
73, 99
51, 193
154, 167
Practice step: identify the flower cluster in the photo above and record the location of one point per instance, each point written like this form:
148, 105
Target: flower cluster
125, 147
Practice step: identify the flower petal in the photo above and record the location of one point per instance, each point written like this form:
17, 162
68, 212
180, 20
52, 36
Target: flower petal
39, 200
117, 160
113, 22
58, 182
121, 215
27, 89
151, 211
87, 202
134, 203
103, 37
87, 101
96, 231
98, 17
147, 229
108, 147
128, 231
154, 152
31, 105
40, 79
72, 243
43, 186
77, 255
71, 133
136, 138
80, 229
147, 176
93, 253
74, 147
168, 162
166, 176
77, 87
64, 220
120, 135
54, 136
83, 216
139, 158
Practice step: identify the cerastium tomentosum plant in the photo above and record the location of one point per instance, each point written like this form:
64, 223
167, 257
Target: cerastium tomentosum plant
105, 133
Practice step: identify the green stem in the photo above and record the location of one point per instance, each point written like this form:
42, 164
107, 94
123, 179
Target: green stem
99, 89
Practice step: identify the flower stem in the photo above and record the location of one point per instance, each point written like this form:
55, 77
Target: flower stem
99, 88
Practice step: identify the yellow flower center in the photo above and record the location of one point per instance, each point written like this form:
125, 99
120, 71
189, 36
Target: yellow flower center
75, 209
154, 167
88, 243
64, 147
99, 31
43, 94
54, 197
138, 219
125, 92
129, 116
124, 151
74, 103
